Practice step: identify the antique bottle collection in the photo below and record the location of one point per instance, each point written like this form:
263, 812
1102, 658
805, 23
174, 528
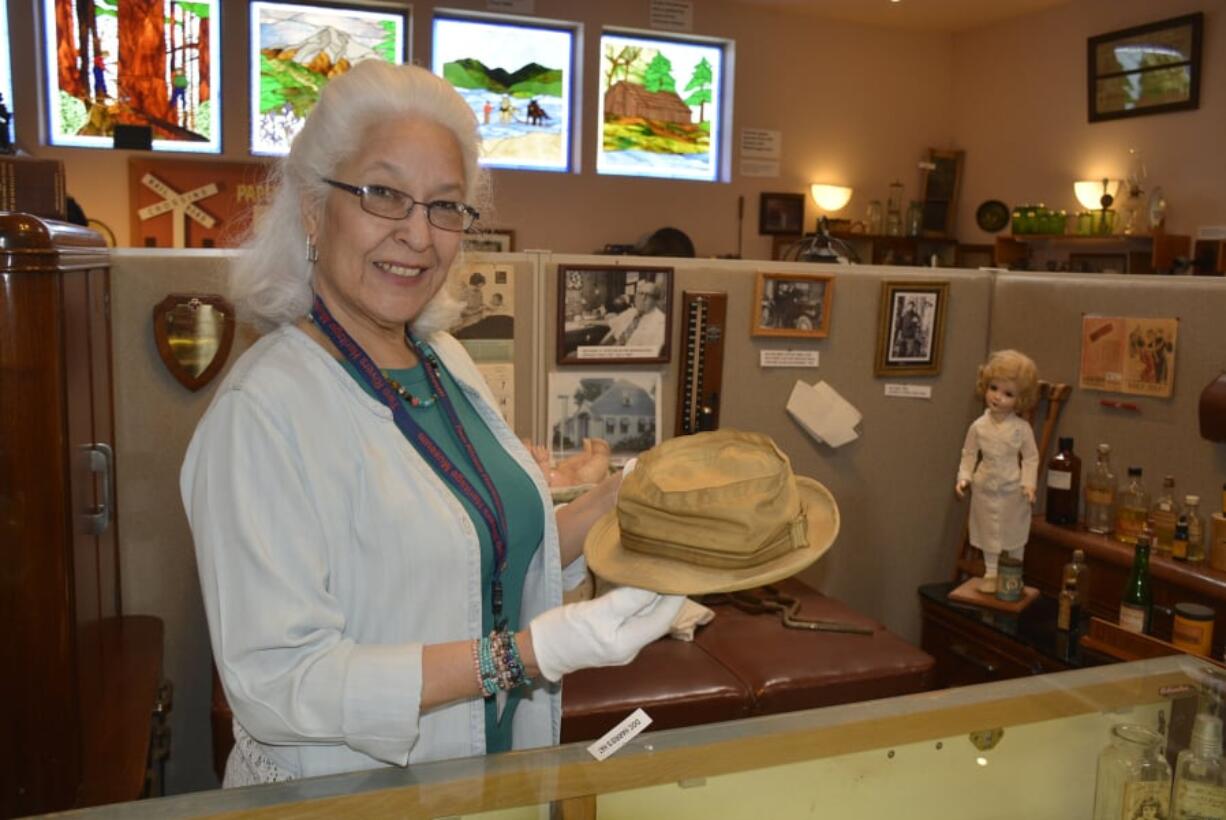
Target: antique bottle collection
1162, 516
1200, 778
1063, 484
1132, 775
1136, 604
1131, 508
1100, 493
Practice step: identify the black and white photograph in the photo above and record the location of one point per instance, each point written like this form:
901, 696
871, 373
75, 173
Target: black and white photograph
911, 326
622, 409
792, 305
614, 315
780, 213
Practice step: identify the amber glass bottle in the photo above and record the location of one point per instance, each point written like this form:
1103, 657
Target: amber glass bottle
1063, 484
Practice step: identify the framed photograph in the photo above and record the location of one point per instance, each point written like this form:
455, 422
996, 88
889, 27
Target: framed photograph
911, 328
614, 314
1148, 69
623, 409
494, 240
792, 305
781, 213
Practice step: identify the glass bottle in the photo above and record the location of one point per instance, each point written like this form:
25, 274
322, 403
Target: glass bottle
875, 217
1131, 771
915, 218
1100, 493
1162, 516
1131, 508
1069, 612
1136, 604
1200, 778
1196, 529
1082, 570
893, 210
1179, 544
1063, 484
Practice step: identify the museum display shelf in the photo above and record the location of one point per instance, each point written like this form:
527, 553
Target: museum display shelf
1024, 748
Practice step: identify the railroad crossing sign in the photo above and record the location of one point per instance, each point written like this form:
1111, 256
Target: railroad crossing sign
180, 206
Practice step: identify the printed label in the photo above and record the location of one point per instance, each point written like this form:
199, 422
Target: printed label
620, 735
617, 352
1141, 798
909, 391
1132, 618
1104, 498
1199, 801
1060, 479
788, 358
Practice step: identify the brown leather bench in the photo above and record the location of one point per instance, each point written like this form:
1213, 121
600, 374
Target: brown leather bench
739, 665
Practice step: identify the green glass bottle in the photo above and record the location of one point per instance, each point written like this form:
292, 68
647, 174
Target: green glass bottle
1137, 602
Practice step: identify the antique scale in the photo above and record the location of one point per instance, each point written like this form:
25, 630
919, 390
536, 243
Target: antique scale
699, 385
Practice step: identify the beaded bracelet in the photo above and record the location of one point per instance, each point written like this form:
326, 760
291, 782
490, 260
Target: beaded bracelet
498, 663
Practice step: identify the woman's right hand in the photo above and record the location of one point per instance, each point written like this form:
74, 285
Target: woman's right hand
607, 631
960, 487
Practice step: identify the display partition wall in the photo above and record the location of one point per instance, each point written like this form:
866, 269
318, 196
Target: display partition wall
901, 523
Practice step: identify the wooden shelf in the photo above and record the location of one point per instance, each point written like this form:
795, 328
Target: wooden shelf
1137, 253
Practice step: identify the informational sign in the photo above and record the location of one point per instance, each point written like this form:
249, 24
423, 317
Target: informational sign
759, 168
672, 15
908, 391
788, 358
761, 143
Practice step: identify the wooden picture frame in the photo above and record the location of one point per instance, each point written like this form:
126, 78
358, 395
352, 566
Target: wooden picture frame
792, 305
1120, 84
942, 181
614, 314
911, 328
493, 240
781, 213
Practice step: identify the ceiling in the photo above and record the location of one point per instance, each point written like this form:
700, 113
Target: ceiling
921, 15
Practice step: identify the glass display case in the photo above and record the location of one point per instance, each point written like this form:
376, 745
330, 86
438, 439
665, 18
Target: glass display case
1019, 748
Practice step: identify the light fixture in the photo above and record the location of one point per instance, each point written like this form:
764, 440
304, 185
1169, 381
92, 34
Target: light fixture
830, 198
1091, 192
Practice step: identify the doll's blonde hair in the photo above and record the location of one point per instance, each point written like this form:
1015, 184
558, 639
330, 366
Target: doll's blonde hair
1016, 367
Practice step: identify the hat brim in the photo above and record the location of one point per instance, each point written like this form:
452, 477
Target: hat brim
611, 561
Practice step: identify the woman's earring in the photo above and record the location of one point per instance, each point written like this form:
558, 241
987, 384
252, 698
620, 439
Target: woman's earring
312, 253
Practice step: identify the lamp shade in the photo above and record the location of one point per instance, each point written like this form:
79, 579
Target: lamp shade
830, 197
1089, 192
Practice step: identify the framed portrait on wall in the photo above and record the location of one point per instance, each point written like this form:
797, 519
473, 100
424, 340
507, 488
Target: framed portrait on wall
911, 328
492, 240
1148, 69
781, 214
792, 305
614, 314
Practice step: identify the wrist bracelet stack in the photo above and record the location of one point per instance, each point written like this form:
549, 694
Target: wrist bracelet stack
499, 667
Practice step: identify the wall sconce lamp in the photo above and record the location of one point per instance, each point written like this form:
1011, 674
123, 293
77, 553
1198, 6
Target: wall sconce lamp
1097, 196
830, 198
822, 247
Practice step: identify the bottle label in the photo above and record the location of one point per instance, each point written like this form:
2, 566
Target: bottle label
1132, 618
1140, 795
1199, 801
1129, 523
1104, 497
1060, 479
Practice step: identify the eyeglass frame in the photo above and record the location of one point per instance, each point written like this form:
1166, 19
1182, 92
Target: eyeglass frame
361, 192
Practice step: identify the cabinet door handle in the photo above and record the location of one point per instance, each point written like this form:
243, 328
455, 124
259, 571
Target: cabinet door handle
962, 652
101, 460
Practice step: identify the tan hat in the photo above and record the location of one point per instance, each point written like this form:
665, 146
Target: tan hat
712, 512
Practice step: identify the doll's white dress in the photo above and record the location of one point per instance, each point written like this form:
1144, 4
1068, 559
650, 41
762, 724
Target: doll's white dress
1000, 511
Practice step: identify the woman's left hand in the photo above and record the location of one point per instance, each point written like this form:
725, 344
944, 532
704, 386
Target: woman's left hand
1029, 491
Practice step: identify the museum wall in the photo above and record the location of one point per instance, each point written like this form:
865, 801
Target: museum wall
855, 104
1020, 114
900, 520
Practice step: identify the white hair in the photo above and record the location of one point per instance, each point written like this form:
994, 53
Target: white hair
271, 281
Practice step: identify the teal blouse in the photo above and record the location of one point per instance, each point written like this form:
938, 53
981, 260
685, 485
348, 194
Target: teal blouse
520, 500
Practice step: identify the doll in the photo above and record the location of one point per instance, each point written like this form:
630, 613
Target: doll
1003, 480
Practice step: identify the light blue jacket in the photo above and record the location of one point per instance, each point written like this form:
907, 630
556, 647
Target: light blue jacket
330, 552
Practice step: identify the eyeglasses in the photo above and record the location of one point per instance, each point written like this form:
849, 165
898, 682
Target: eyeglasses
389, 203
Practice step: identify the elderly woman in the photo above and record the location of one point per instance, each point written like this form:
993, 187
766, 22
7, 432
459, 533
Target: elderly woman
381, 568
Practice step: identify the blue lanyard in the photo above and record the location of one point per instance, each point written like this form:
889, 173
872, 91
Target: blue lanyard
495, 519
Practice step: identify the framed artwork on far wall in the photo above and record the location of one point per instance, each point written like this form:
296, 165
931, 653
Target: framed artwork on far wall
781, 213
492, 240
1148, 69
911, 328
615, 314
792, 305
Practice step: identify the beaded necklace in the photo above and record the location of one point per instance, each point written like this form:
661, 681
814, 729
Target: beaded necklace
413, 401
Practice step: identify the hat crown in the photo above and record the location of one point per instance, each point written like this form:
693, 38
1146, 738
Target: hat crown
723, 498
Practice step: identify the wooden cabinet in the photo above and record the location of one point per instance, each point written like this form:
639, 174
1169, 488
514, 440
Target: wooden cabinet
59, 590
901, 250
1091, 254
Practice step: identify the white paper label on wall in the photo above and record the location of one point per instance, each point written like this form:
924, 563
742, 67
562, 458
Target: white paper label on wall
620, 735
1112, 376
672, 15
1060, 479
788, 358
759, 168
909, 391
623, 352
761, 143
512, 6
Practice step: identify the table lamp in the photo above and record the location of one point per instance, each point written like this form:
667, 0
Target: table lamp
1097, 195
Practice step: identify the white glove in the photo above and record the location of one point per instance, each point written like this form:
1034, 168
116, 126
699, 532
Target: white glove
607, 631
